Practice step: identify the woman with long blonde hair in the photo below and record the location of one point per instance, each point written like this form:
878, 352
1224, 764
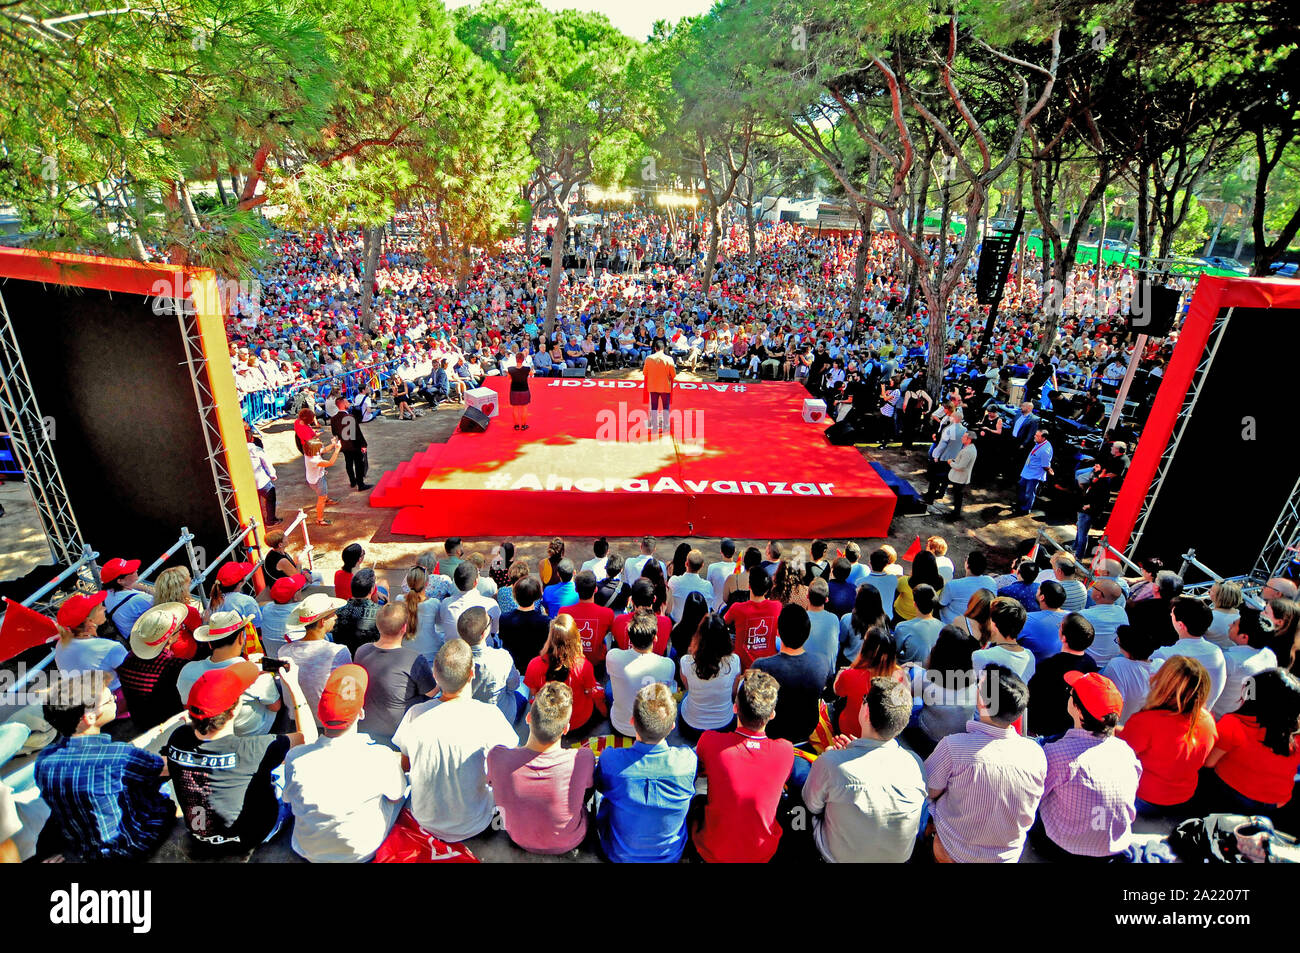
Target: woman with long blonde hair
173, 585
562, 660
1172, 736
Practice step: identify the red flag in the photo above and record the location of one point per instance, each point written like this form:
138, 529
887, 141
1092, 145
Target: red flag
913, 550
23, 629
1033, 554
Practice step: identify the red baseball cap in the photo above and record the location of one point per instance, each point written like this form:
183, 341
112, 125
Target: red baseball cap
218, 689
283, 590
1097, 693
232, 573
118, 567
76, 609
343, 695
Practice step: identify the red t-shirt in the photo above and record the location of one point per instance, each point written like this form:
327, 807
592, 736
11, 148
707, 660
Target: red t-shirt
1251, 769
593, 624
581, 681
1169, 763
661, 637
746, 774
755, 624
343, 584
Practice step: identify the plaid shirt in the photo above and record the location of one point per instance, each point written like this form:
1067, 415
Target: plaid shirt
1091, 785
105, 795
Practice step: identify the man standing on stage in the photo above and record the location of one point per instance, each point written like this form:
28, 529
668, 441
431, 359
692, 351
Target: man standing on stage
346, 425
660, 372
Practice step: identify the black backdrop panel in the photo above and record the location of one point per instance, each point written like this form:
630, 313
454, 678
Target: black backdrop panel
127, 433
1223, 493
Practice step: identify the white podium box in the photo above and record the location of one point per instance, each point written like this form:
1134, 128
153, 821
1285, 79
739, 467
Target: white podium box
814, 411
484, 399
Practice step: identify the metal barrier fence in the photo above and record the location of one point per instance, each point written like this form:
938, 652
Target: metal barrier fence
274, 402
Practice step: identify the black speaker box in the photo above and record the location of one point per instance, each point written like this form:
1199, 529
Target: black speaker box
474, 421
728, 374
574, 372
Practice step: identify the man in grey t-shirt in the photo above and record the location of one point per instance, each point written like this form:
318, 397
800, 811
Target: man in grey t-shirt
398, 676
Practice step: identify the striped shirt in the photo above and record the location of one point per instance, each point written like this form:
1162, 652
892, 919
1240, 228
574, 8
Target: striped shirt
105, 795
988, 781
1088, 799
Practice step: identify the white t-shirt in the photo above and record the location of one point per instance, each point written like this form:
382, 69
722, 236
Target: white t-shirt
1022, 662
717, 575
1243, 663
629, 671
596, 565
253, 716
946, 570
1218, 630
1106, 620
90, 655
1207, 653
447, 744
708, 702
314, 468
679, 587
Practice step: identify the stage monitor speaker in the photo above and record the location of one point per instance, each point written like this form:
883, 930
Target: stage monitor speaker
574, 372
474, 421
728, 374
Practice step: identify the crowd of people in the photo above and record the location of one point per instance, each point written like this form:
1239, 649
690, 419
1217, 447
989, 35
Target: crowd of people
787, 703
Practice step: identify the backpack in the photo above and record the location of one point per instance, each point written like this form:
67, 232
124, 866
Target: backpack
108, 628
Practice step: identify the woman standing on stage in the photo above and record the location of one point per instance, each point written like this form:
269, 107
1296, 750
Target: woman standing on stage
520, 395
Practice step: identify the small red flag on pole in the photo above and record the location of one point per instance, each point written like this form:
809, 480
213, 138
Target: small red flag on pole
913, 550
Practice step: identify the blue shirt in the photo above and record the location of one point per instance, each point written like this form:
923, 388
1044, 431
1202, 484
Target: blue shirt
646, 791
1040, 458
1042, 633
105, 795
1025, 593
558, 595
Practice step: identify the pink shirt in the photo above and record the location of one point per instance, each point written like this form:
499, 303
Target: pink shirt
540, 795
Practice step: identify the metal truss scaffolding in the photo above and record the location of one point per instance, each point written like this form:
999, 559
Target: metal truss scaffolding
1282, 539
31, 436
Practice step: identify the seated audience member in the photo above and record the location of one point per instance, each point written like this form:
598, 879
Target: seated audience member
1088, 809
1225, 602
842, 592
444, 745
746, 772
1173, 735
277, 614
1255, 758
1105, 616
681, 586
868, 611
1006, 629
397, 676
945, 686
1251, 635
754, 620
228, 787
824, 639
631, 668
541, 787
710, 674
467, 594
309, 645
613, 592
345, 789
1025, 589
524, 628
718, 572
79, 649
226, 634
877, 658
1132, 669
1152, 612
594, 621
938, 547
645, 791
1042, 630
886, 583
356, 625
867, 796
642, 599
683, 632
1066, 571
352, 555
987, 781
1049, 689
561, 591
104, 795
496, 680
149, 674
562, 660
924, 572
127, 597
916, 636
228, 592
1191, 619
957, 592
802, 678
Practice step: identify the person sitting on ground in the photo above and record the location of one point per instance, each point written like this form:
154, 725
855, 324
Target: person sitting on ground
79, 649
1256, 755
916, 636
228, 592
824, 639
1049, 688
645, 791
1225, 601
986, 782
642, 597
1251, 653
524, 628
613, 592
1025, 589
1132, 669
802, 677
127, 598
397, 676
746, 772
1153, 613
309, 645
345, 789
1088, 809
103, 795
681, 586
496, 680
148, 675
227, 635
1006, 646
594, 621
228, 785
540, 787
877, 658
1106, 616
867, 794
1191, 619
1173, 734
444, 745
709, 672
633, 667
1041, 631
1066, 571
736, 587
466, 577
356, 624
924, 572
562, 660
957, 592
754, 621
886, 583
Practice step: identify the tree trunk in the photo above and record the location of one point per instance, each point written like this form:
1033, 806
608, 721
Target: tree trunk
715, 239
557, 265
372, 243
860, 270
221, 190
936, 336
1101, 246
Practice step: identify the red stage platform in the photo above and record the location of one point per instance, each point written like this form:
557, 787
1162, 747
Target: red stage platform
741, 462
